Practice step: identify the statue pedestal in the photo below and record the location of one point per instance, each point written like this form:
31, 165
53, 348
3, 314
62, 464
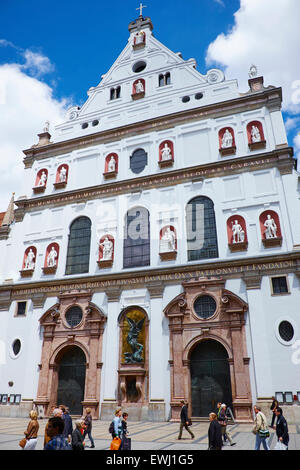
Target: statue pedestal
139, 46
106, 263
166, 163
239, 246
49, 269
39, 189
168, 255
138, 96
227, 151
110, 174
60, 184
26, 272
270, 242
257, 145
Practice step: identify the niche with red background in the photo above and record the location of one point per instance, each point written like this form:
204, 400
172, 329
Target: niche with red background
107, 172
59, 183
167, 161
256, 145
166, 251
276, 237
139, 40
51, 262
29, 261
230, 150
237, 241
40, 185
104, 260
136, 94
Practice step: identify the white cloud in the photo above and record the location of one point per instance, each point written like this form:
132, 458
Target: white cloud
37, 64
25, 104
265, 33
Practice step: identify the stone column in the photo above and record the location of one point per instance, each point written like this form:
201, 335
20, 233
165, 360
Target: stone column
156, 366
111, 355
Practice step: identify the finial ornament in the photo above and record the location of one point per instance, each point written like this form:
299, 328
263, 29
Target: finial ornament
253, 71
141, 8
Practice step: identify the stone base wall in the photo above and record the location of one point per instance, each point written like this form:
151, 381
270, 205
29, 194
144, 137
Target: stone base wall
155, 412
17, 411
290, 412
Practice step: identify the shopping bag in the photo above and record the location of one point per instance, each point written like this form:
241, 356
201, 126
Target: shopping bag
280, 446
115, 443
126, 443
23, 442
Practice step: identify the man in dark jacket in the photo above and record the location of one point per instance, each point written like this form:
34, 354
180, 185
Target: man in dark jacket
214, 433
68, 429
282, 430
184, 420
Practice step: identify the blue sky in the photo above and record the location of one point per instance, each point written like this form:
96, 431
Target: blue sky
52, 53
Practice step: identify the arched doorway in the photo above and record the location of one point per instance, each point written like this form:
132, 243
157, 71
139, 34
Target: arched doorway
71, 379
210, 377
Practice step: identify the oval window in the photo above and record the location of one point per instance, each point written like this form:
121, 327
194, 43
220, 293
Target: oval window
16, 347
74, 316
198, 96
185, 99
205, 306
286, 331
139, 66
138, 161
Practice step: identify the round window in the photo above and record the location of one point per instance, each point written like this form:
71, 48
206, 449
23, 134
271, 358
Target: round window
185, 99
74, 316
205, 306
139, 66
84, 125
16, 347
198, 96
95, 123
286, 331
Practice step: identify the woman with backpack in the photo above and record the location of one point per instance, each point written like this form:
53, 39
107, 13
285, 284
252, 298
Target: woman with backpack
116, 430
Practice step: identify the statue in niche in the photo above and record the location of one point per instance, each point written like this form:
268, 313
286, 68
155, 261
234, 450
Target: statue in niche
137, 348
111, 164
255, 134
271, 227
238, 234
166, 153
51, 258
107, 246
63, 175
43, 179
140, 38
29, 262
227, 139
139, 87
168, 240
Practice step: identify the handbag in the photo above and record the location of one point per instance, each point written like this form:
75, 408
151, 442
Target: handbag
115, 443
23, 442
263, 433
126, 443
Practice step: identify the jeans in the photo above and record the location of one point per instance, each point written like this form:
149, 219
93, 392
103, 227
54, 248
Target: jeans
89, 433
261, 440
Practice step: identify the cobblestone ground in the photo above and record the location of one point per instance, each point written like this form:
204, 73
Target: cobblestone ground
147, 436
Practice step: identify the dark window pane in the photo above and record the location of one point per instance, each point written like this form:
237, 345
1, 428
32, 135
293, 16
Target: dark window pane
138, 161
279, 285
286, 331
201, 229
21, 309
137, 238
16, 347
78, 254
205, 306
74, 316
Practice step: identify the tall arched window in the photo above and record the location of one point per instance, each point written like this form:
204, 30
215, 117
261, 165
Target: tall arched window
202, 240
137, 238
78, 255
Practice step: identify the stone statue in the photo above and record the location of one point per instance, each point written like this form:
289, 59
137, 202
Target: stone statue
227, 139
137, 348
271, 227
51, 258
111, 164
63, 175
238, 234
43, 179
166, 153
139, 88
107, 249
168, 241
29, 262
255, 134
46, 128
253, 71
140, 38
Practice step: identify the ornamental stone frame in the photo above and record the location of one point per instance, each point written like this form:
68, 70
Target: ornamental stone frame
226, 325
58, 336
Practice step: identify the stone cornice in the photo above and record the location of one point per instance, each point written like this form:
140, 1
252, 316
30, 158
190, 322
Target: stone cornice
114, 283
268, 98
281, 158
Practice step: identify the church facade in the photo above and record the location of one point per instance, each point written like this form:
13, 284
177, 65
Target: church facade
154, 252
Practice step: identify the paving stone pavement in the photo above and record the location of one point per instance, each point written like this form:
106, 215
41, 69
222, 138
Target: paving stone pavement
147, 436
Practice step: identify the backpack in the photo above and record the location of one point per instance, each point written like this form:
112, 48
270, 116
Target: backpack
111, 428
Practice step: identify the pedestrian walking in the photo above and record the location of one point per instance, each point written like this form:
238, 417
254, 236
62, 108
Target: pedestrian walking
77, 437
222, 418
31, 431
56, 413
260, 429
126, 441
68, 429
273, 407
88, 427
214, 433
282, 430
55, 431
184, 420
